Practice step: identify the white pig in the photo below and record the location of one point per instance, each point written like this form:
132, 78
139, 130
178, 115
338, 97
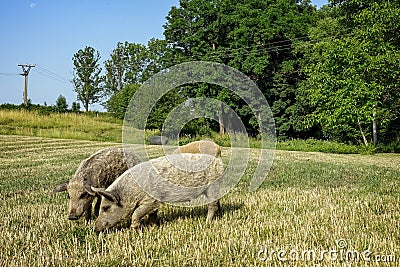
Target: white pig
197, 174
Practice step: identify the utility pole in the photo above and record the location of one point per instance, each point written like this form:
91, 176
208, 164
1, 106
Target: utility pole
25, 73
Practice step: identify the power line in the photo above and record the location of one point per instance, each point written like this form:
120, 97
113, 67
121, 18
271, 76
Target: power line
257, 50
45, 72
254, 50
8, 74
53, 74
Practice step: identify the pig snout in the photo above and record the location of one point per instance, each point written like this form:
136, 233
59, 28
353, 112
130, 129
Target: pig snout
74, 215
100, 226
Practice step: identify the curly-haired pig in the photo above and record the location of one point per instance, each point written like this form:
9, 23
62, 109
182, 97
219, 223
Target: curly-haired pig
99, 170
202, 147
176, 178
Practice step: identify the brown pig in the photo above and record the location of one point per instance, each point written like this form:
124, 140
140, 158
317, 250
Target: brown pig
202, 147
99, 170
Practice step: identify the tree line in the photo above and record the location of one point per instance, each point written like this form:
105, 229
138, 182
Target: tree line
331, 73
60, 106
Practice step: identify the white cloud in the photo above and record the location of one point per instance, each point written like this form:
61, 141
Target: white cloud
33, 5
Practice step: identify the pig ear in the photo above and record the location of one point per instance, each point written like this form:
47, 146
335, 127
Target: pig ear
111, 196
60, 188
89, 189
95, 190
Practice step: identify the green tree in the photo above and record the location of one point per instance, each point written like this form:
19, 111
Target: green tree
61, 104
119, 101
162, 108
87, 79
115, 70
254, 37
131, 63
159, 56
353, 73
75, 107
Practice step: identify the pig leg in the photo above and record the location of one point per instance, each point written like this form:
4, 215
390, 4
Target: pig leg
88, 213
213, 208
153, 217
97, 206
140, 212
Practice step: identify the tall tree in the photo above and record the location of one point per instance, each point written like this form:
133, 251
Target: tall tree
159, 56
87, 79
197, 31
129, 66
353, 73
131, 63
253, 36
115, 69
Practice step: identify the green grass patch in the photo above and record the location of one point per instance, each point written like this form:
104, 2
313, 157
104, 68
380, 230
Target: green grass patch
309, 201
61, 125
318, 146
103, 127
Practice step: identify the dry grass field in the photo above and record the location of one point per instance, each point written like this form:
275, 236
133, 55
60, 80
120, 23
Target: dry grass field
314, 209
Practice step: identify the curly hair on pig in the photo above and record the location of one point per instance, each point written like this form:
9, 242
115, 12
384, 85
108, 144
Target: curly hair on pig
99, 170
125, 198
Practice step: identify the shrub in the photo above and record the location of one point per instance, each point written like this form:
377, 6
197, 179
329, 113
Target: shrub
76, 107
61, 104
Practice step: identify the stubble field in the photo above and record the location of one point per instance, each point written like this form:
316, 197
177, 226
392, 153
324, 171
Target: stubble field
313, 209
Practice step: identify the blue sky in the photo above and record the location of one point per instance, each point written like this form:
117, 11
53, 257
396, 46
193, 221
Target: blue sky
48, 33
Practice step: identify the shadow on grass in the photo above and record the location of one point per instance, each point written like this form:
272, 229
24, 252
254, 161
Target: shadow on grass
174, 213
170, 214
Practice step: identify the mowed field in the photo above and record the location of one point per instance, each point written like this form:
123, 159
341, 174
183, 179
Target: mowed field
313, 209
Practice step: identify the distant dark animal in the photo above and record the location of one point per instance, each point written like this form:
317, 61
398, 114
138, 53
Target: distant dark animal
158, 140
